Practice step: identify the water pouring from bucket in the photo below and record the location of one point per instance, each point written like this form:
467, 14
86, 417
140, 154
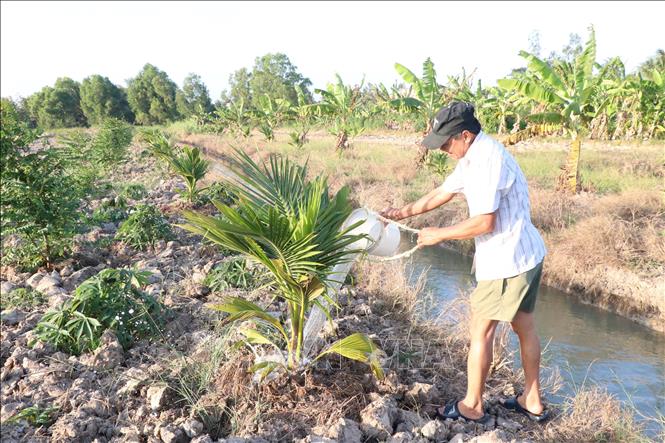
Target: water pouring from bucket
382, 240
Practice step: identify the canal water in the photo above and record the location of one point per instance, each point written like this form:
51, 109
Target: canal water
588, 345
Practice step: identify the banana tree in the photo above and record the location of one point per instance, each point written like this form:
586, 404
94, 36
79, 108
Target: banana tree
293, 228
390, 103
568, 100
342, 103
428, 97
237, 117
302, 114
269, 114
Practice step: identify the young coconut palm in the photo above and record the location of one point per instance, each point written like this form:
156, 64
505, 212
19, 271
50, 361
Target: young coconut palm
191, 167
294, 229
158, 143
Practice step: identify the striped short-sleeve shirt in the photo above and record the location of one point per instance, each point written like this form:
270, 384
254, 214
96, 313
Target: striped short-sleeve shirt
491, 180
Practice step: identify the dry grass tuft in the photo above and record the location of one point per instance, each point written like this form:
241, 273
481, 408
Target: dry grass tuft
553, 211
390, 282
591, 415
287, 407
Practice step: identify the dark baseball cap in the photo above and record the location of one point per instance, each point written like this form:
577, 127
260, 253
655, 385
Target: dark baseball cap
449, 121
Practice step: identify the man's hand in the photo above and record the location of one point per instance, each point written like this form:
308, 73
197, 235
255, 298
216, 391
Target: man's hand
391, 213
429, 237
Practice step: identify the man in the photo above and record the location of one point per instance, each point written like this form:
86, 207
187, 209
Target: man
509, 253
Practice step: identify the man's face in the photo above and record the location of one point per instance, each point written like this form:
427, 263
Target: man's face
455, 147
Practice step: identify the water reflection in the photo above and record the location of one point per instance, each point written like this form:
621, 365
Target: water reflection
584, 341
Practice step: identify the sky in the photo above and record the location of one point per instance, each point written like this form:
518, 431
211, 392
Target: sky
41, 41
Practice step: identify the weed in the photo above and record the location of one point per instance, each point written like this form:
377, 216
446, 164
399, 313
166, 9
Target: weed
232, 273
22, 298
133, 191
35, 415
144, 227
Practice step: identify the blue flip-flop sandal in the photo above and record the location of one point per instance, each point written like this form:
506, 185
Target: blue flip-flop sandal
514, 405
451, 410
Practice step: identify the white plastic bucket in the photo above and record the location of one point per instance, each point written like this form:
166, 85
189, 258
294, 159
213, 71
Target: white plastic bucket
383, 239
388, 244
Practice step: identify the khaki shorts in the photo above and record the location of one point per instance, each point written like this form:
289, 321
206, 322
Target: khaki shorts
501, 299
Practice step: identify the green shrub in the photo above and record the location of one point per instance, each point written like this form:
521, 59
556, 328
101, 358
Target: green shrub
232, 273
113, 210
112, 300
22, 298
106, 214
217, 191
39, 198
144, 227
102, 151
110, 145
437, 163
133, 191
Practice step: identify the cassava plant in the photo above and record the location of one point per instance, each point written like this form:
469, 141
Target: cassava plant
112, 299
39, 199
293, 227
144, 227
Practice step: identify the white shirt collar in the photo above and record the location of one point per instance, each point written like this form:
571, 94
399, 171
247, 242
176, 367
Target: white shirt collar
473, 151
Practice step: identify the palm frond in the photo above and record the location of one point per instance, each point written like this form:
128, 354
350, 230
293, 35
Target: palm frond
357, 347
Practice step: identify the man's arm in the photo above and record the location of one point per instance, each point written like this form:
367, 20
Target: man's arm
429, 201
470, 228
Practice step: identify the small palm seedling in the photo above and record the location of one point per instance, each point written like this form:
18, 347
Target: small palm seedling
293, 227
158, 143
112, 300
191, 167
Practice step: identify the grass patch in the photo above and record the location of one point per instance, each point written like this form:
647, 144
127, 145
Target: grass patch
603, 172
22, 298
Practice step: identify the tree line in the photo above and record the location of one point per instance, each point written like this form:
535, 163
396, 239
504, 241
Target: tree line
625, 104
152, 98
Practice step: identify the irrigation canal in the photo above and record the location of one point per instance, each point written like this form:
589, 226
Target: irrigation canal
587, 344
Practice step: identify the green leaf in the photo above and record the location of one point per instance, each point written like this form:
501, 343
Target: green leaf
265, 368
584, 65
410, 78
544, 71
532, 90
360, 348
255, 337
241, 309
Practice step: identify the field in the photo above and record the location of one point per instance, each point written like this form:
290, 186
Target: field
162, 254
190, 382
605, 244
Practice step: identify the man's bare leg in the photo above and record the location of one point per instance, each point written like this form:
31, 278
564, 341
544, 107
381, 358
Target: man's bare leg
478, 365
524, 326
